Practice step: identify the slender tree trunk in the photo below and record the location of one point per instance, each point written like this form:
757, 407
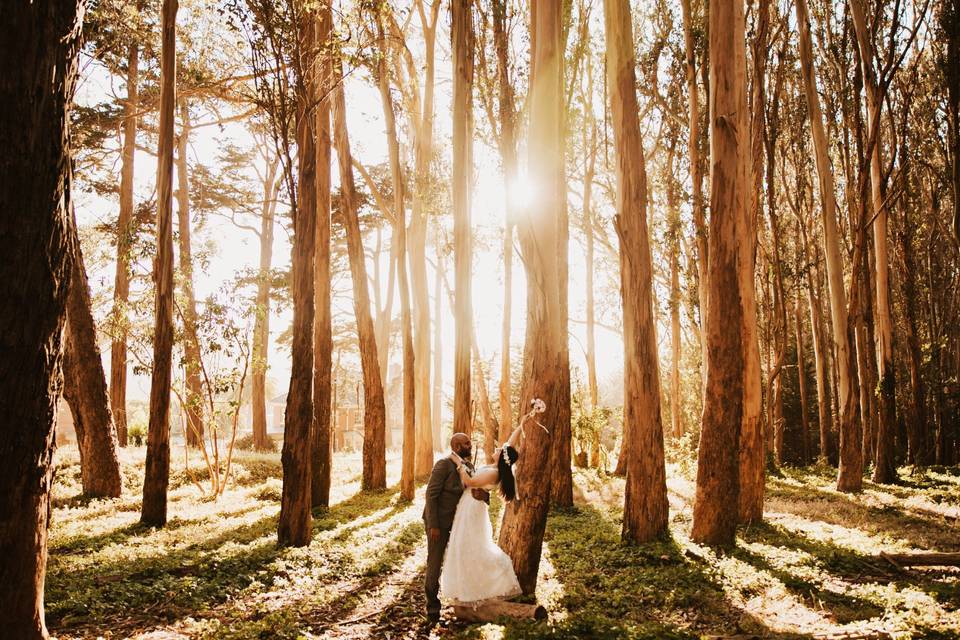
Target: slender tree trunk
717, 495
508, 156
121, 289
157, 472
885, 470
521, 534
917, 429
399, 212
374, 412
191, 346
261, 324
293, 527
589, 277
85, 386
849, 477
696, 171
35, 200
752, 440
462, 35
437, 401
802, 378
321, 456
645, 507
673, 235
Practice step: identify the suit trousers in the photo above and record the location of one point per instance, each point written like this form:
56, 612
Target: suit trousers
431, 583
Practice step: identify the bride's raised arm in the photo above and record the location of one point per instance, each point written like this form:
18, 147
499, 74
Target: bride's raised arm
484, 477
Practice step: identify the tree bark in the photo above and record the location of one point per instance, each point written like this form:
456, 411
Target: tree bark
802, 379
85, 386
44, 40
717, 494
752, 441
261, 324
293, 527
645, 505
521, 534
374, 412
917, 429
191, 346
885, 470
849, 477
121, 289
321, 455
157, 472
462, 36
437, 401
673, 231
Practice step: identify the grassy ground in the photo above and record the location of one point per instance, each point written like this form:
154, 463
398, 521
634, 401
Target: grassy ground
215, 570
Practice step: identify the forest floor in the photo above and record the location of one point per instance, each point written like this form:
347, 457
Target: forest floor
215, 571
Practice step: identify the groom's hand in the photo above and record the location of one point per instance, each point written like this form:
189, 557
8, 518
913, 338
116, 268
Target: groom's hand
481, 494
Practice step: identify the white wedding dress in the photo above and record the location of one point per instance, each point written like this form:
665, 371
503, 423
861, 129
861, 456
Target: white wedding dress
474, 567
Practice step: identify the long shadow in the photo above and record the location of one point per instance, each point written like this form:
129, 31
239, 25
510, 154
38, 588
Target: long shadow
612, 589
912, 527
166, 586
81, 544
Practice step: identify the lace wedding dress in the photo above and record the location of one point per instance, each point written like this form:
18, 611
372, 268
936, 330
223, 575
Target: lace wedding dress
474, 567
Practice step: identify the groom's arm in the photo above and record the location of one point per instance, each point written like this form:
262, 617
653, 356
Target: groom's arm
438, 478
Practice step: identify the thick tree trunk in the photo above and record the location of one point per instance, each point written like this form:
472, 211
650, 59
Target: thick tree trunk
462, 36
885, 470
717, 494
40, 45
752, 440
121, 289
321, 454
645, 506
521, 534
191, 347
157, 472
293, 527
849, 477
374, 413
85, 387
261, 323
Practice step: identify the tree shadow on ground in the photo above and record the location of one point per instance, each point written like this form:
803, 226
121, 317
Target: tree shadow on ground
158, 587
916, 528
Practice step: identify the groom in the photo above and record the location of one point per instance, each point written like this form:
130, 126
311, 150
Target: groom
443, 494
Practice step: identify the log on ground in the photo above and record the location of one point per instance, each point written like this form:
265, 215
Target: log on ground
492, 610
931, 559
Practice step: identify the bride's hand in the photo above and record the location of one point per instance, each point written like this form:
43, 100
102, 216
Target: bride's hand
457, 460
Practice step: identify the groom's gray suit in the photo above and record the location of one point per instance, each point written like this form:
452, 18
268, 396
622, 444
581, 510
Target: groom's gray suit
443, 494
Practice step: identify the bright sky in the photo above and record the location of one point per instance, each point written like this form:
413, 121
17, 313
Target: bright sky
237, 249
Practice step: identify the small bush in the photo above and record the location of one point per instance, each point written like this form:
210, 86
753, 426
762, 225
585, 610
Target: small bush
136, 432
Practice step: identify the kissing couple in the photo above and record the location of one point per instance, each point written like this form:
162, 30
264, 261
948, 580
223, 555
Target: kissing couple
462, 559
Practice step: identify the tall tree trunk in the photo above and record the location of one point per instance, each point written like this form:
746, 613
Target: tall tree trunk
191, 346
437, 401
885, 470
157, 472
521, 534
261, 323
508, 156
43, 38
85, 386
849, 477
696, 171
645, 506
752, 441
428, 435
293, 527
917, 429
321, 455
399, 212
673, 235
588, 276
374, 412
949, 20
121, 289
717, 495
462, 35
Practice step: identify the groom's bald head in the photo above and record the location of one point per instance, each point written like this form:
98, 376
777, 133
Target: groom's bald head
460, 444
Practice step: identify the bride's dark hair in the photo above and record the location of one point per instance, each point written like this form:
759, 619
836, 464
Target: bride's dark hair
508, 484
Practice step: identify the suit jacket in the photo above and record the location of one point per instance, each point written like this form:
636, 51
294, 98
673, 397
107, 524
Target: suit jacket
443, 494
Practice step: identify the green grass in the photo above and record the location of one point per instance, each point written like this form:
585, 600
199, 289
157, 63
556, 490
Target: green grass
215, 571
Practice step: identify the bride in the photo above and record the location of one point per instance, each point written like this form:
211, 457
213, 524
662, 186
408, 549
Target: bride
474, 567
